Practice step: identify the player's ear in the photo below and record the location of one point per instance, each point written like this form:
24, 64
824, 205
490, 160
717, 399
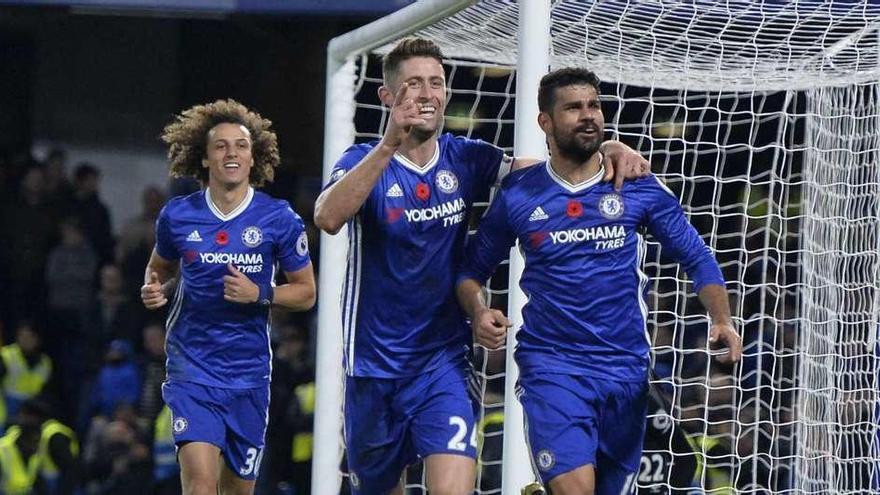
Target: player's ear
386, 96
545, 122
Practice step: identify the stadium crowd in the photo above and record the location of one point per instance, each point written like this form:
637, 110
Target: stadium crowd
83, 361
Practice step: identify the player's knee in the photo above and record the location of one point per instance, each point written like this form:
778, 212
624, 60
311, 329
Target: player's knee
450, 486
199, 485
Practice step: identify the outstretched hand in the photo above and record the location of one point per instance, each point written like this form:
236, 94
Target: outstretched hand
726, 334
238, 288
404, 115
622, 162
151, 293
490, 328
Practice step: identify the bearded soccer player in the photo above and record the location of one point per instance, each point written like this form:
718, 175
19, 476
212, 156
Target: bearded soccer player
583, 348
220, 249
406, 199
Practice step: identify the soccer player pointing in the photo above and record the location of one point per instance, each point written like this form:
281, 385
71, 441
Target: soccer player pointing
583, 347
220, 248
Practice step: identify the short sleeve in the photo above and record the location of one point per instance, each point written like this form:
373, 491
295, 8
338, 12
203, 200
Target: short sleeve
490, 165
293, 242
352, 156
164, 239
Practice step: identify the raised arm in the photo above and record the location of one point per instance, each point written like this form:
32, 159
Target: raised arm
342, 200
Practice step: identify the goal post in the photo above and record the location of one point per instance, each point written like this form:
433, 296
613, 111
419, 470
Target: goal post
339, 133
763, 118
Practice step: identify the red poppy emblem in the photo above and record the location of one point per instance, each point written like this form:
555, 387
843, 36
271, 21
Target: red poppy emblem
393, 214
536, 238
423, 192
222, 238
189, 256
574, 209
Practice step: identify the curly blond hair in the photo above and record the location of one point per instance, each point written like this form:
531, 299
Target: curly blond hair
187, 139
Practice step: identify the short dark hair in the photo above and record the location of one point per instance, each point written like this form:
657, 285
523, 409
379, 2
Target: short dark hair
561, 78
405, 49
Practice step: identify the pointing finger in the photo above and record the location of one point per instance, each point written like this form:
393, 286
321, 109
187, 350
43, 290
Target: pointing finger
401, 94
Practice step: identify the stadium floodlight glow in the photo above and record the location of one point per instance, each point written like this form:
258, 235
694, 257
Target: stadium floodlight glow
764, 119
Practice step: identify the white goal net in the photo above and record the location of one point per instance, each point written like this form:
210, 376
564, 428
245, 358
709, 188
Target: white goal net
764, 119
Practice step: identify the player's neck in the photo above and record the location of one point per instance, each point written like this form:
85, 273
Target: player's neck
575, 172
227, 198
419, 152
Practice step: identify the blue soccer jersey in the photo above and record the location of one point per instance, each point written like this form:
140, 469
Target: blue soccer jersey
400, 317
586, 312
211, 341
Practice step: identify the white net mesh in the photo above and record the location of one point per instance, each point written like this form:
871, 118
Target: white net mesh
763, 118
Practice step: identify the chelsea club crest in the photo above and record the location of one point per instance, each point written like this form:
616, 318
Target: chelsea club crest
545, 460
611, 206
252, 236
179, 424
446, 181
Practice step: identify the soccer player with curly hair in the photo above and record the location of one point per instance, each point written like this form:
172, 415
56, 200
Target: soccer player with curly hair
215, 257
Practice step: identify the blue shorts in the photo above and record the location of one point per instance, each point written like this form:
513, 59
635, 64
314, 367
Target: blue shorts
391, 422
234, 420
572, 421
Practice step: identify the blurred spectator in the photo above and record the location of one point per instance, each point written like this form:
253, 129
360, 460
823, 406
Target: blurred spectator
24, 369
166, 471
153, 372
39, 454
59, 190
137, 239
288, 453
70, 275
94, 215
118, 383
119, 315
119, 461
29, 234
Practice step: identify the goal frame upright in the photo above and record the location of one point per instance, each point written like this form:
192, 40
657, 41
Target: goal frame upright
339, 133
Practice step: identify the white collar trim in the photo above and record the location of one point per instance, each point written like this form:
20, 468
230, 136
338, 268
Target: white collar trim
575, 187
406, 162
235, 211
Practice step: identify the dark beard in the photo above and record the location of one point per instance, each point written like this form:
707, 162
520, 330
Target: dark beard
571, 148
